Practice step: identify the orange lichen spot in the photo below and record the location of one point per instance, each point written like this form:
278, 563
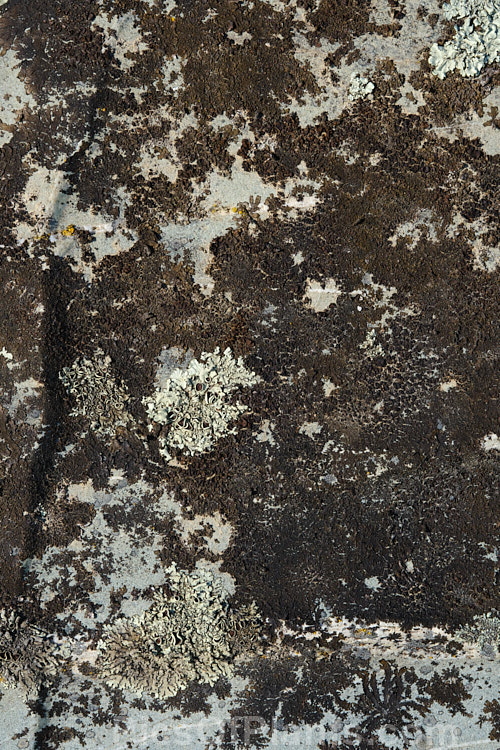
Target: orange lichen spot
68, 231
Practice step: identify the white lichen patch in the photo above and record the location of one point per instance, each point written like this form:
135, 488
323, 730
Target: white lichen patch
422, 226
98, 395
190, 635
370, 345
378, 464
484, 630
378, 296
238, 38
329, 387
448, 385
403, 48
4, 353
490, 442
265, 434
194, 407
486, 256
217, 531
23, 402
373, 583
320, 296
311, 429
28, 656
54, 217
126, 559
359, 87
476, 42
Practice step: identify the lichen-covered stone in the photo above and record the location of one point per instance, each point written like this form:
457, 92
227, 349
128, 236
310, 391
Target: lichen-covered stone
359, 87
195, 405
190, 635
485, 629
476, 42
97, 394
28, 656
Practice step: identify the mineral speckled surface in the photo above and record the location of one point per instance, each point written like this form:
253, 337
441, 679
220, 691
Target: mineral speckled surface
189, 635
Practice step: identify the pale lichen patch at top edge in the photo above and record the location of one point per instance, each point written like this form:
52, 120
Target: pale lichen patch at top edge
476, 42
403, 48
122, 36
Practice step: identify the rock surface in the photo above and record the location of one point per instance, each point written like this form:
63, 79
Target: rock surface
301, 193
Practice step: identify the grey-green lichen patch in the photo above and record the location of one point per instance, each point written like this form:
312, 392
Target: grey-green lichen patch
483, 631
28, 656
360, 87
98, 395
195, 406
476, 42
193, 634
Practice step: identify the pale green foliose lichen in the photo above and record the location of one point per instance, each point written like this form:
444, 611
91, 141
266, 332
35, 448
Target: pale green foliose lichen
484, 630
195, 404
359, 87
193, 634
476, 42
28, 656
97, 394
